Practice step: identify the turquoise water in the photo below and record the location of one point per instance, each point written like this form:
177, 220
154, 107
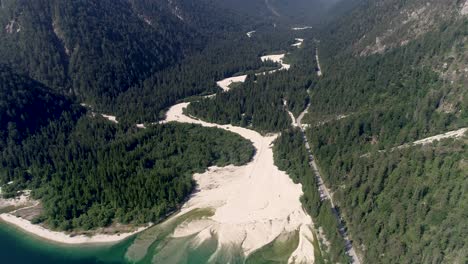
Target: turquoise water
155, 245
18, 247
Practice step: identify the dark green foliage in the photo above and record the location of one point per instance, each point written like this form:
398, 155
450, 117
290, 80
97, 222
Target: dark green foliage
26, 106
391, 199
31, 47
131, 58
259, 102
195, 75
291, 156
408, 205
97, 49
89, 172
97, 173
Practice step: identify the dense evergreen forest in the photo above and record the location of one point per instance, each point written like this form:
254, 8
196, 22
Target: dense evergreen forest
363, 107
97, 174
86, 47
196, 75
394, 84
291, 156
70, 157
89, 172
27, 105
381, 87
407, 204
98, 50
260, 101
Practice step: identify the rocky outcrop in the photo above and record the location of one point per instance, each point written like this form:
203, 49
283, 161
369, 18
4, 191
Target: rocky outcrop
464, 10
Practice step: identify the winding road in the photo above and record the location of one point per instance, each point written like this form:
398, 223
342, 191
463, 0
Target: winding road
325, 193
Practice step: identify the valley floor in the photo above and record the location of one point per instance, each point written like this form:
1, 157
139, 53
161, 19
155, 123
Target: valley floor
253, 204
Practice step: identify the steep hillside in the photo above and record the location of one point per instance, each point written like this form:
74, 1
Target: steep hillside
26, 106
310, 12
88, 47
281, 12
98, 49
394, 72
72, 161
379, 26
205, 17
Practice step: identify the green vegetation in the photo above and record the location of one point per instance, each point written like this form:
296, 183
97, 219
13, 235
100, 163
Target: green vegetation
404, 205
97, 173
198, 74
26, 106
89, 47
259, 102
291, 156
89, 172
407, 205
130, 58
136, 58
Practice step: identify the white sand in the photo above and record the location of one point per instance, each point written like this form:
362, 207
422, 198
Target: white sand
299, 42
23, 201
452, 134
250, 33
291, 115
305, 245
20, 201
224, 84
293, 120
61, 237
253, 203
464, 10
110, 118
278, 58
301, 116
319, 69
301, 28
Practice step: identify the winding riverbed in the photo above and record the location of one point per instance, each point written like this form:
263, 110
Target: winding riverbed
254, 203
250, 206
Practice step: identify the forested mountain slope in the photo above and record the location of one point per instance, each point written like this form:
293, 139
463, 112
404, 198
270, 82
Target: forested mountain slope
27, 105
108, 53
89, 172
139, 54
426, 75
295, 12
94, 49
98, 49
395, 72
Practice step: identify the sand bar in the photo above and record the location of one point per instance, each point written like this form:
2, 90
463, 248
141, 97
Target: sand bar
253, 203
224, 84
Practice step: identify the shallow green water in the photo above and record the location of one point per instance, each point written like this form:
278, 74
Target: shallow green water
19, 247
154, 245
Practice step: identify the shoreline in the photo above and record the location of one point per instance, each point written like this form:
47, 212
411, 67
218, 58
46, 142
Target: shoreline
61, 237
253, 203
251, 225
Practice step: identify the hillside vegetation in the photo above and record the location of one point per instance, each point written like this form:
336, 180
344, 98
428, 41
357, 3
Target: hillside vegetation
375, 96
89, 172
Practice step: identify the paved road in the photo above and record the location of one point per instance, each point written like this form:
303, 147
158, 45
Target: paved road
326, 194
